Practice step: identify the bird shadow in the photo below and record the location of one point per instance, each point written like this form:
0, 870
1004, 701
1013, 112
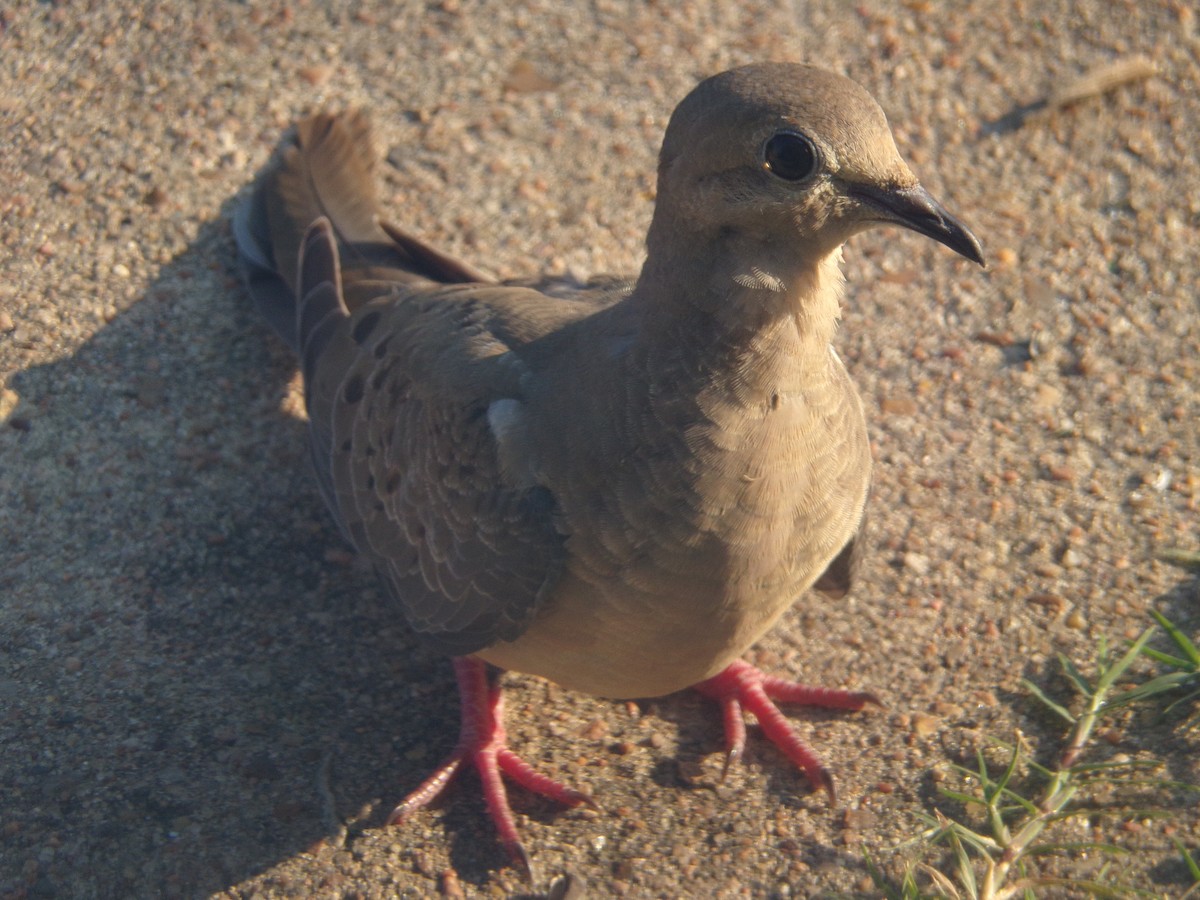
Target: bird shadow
226, 646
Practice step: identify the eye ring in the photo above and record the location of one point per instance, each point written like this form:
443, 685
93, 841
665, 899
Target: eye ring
790, 156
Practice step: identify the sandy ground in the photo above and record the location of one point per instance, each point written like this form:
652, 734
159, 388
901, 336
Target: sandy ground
202, 693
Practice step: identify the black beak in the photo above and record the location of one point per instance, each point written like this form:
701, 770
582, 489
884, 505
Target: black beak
914, 208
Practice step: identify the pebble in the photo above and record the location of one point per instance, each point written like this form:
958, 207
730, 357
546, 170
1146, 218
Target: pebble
899, 406
524, 78
595, 730
317, 75
924, 724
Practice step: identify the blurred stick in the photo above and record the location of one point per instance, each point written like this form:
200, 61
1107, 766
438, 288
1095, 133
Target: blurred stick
1092, 83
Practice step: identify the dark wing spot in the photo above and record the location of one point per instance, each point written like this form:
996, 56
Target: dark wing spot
539, 501
353, 391
365, 326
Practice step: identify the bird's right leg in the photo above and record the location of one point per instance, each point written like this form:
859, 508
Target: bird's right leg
482, 743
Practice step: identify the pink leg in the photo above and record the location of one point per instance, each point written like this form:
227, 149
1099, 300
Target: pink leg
743, 687
482, 744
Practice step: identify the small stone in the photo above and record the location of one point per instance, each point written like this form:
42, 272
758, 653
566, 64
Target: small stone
450, 885
8, 402
924, 724
524, 78
317, 75
156, 198
595, 730
918, 562
1052, 603
1047, 397
859, 819
1075, 620
995, 338
902, 277
898, 406
73, 664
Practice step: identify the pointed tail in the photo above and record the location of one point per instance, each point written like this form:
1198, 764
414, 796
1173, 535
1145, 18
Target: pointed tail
327, 171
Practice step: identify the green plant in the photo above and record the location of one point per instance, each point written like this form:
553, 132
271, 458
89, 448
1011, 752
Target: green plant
1015, 813
1184, 677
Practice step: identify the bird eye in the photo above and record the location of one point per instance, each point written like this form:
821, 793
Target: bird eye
790, 156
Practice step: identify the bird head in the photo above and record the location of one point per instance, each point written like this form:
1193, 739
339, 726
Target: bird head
795, 160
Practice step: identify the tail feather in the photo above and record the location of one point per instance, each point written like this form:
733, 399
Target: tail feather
321, 308
328, 172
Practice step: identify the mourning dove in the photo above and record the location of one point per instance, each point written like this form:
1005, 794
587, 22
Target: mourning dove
621, 486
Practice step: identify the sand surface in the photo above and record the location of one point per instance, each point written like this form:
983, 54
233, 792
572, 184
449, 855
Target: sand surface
203, 693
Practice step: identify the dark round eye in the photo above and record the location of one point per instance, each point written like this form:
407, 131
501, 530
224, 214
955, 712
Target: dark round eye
790, 156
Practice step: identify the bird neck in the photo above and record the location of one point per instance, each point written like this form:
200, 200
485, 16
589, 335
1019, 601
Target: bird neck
747, 332
741, 289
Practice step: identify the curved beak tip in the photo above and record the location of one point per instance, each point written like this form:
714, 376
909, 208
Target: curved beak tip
915, 209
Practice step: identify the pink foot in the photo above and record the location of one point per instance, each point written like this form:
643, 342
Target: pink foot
482, 743
741, 686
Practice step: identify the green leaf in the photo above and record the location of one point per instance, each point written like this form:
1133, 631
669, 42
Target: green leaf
966, 872
1069, 846
1000, 787
1089, 768
1167, 659
1180, 639
1191, 864
1072, 672
907, 888
1041, 695
1160, 685
1115, 671
1188, 559
1023, 803
1195, 695
965, 799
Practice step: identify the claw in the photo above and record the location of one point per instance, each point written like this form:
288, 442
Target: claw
743, 687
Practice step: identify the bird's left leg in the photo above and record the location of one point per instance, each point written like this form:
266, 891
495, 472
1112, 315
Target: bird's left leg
741, 687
